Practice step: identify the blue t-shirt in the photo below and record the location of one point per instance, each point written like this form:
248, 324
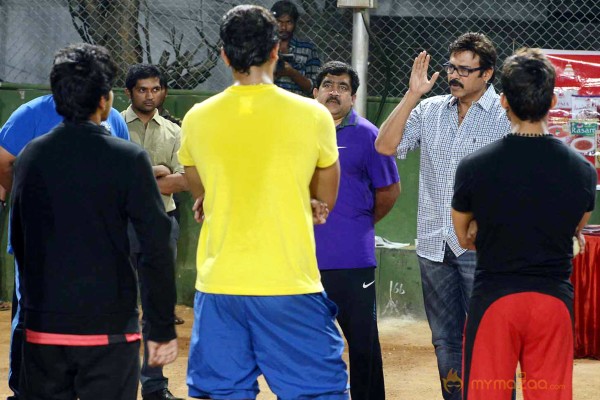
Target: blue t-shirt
347, 240
38, 117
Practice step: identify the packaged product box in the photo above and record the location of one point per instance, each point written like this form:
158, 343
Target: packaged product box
583, 136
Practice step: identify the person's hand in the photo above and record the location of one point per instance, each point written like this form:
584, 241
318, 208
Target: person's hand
285, 70
160, 171
471, 235
320, 211
198, 209
418, 83
472, 231
581, 241
161, 353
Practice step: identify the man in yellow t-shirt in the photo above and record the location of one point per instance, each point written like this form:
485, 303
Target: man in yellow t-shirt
255, 155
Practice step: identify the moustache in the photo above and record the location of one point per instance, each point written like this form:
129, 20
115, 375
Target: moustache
456, 82
333, 99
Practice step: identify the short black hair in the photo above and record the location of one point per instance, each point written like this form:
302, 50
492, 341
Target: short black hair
285, 7
249, 34
338, 68
480, 45
81, 75
528, 84
143, 71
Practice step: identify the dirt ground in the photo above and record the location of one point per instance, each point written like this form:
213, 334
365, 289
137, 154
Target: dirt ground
409, 362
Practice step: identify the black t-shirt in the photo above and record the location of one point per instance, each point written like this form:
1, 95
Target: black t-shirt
528, 195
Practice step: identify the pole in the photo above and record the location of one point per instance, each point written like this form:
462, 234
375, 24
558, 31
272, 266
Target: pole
360, 57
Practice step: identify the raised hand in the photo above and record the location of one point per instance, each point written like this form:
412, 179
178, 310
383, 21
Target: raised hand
419, 84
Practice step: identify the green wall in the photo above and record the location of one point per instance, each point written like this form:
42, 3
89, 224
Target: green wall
399, 270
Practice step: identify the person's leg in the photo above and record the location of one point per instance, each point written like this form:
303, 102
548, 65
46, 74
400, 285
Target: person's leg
221, 362
493, 342
547, 357
106, 372
353, 290
16, 339
445, 299
297, 345
466, 264
46, 373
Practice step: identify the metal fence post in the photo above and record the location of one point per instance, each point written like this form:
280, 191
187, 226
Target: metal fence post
360, 57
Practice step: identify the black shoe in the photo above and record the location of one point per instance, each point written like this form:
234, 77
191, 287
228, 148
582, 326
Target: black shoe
163, 394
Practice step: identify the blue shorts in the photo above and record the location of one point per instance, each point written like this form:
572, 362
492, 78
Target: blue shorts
291, 340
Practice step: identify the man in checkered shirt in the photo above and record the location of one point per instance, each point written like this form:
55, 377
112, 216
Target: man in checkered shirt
297, 76
446, 128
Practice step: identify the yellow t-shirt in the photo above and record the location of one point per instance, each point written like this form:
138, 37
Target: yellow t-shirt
256, 148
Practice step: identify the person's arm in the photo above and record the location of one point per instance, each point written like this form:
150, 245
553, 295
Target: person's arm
156, 270
463, 226
325, 183
385, 198
392, 129
172, 183
302, 81
583, 222
6, 169
196, 187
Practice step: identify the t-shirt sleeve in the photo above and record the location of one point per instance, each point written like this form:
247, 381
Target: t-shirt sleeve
18, 130
462, 198
184, 155
118, 125
411, 139
327, 142
381, 169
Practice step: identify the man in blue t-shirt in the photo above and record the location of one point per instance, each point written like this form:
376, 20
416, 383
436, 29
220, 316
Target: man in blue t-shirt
369, 187
32, 119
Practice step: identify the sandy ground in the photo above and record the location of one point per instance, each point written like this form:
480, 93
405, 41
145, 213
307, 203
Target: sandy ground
409, 362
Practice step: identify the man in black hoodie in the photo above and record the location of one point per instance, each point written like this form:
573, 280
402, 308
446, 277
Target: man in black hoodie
74, 191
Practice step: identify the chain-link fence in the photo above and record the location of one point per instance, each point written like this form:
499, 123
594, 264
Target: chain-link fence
182, 35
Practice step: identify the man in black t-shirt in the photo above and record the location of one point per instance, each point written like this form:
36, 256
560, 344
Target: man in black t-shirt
73, 193
529, 194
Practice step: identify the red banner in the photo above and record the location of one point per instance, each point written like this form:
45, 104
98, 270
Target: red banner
575, 118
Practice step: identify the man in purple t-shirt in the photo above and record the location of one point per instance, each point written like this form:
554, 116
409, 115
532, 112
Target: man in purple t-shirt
369, 186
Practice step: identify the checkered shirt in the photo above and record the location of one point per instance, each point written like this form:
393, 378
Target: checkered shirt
433, 126
306, 61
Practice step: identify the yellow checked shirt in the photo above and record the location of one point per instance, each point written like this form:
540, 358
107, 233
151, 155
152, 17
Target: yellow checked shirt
161, 139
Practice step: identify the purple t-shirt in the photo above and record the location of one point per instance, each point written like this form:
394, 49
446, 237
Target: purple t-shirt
347, 240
